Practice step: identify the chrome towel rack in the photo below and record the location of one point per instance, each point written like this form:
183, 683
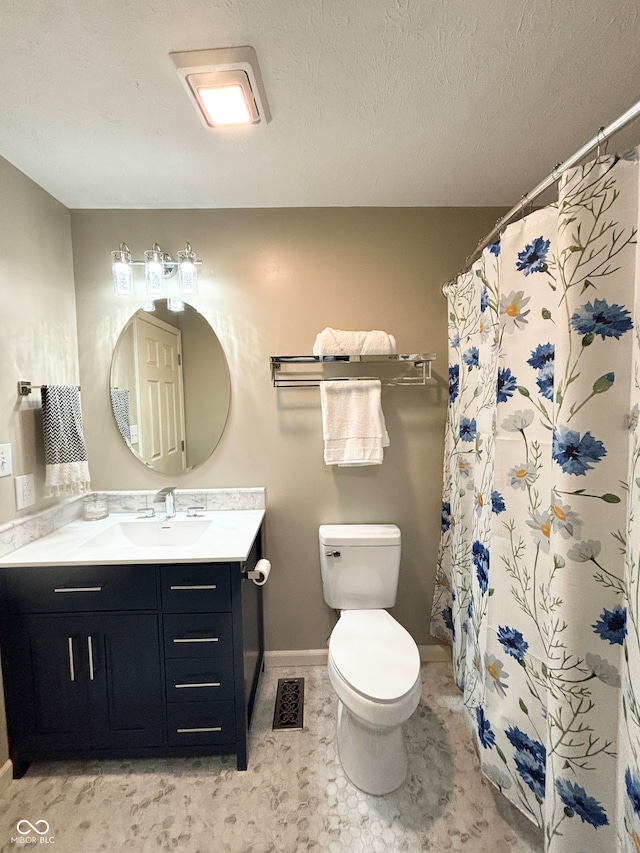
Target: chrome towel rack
25, 388
291, 371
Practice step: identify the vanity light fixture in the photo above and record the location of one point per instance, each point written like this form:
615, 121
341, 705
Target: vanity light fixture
175, 304
224, 85
158, 266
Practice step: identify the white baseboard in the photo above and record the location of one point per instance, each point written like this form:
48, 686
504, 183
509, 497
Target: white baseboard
296, 657
437, 653
6, 775
318, 657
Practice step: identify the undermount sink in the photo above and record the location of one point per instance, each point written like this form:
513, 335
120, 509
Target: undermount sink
151, 534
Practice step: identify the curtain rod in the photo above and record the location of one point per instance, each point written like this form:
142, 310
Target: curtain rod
603, 134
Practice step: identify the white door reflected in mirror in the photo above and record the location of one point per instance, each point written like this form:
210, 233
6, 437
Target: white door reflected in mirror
170, 388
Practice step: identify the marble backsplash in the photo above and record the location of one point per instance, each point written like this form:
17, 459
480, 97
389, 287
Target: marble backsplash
22, 531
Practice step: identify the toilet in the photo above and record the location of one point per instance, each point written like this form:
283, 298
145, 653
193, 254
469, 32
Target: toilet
374, 663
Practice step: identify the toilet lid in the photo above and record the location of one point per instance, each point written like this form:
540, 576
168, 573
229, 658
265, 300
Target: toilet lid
374, 654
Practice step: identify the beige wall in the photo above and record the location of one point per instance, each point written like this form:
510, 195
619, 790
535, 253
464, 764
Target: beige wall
38, 340
271, 280
38, 328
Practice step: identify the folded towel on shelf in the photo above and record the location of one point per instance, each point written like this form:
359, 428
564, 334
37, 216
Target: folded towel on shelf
66, 466
353, 423
338, 342
120, 406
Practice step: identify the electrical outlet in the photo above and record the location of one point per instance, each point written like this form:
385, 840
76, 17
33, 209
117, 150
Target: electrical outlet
6, 467
25, 491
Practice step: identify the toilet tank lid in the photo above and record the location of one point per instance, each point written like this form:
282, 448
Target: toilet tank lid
359, 534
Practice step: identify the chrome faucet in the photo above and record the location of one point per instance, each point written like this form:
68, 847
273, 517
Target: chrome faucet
167, 495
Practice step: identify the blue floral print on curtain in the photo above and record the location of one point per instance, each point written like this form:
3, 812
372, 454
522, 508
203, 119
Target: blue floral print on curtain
541, 578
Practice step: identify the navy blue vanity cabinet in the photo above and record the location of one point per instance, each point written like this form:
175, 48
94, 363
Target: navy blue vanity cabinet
47, 690
84, 683
87, 679
213, 649
130, 660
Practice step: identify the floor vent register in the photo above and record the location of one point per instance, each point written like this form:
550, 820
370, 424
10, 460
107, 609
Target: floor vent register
289, 711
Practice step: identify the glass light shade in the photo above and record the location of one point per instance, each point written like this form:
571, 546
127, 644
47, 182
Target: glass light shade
149, 306
121, 269
122, 279
175, 304
225, 104
154, 272
187, 271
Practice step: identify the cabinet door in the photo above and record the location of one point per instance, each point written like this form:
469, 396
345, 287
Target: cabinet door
125, 689
48, 686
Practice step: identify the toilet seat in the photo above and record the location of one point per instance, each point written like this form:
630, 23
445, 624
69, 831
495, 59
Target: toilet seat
374, 655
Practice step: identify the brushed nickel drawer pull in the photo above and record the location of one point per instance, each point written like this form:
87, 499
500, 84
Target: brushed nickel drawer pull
194, 586
201, 729
78, 589
90, 651
199, 684
196, 640
72, 669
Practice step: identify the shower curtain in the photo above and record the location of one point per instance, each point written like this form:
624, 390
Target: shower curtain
538, 576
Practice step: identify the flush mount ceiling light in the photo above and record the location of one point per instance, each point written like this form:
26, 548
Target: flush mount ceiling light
224, 85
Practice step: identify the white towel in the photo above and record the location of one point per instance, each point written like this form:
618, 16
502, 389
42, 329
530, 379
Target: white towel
353, 424
338, 342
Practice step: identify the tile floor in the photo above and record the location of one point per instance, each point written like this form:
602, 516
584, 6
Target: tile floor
294, 796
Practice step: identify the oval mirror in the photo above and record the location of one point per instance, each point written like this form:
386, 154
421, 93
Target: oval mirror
170, 388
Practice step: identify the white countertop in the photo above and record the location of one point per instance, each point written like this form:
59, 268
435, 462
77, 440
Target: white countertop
228, 539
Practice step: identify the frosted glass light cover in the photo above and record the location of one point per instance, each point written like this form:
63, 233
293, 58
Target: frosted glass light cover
225, 104
174, 304
154, 275
188, 278
122, 279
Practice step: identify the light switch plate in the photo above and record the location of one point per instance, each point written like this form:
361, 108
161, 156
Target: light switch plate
25, 491
6, 466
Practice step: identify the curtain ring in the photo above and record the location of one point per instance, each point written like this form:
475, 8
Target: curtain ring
522, 198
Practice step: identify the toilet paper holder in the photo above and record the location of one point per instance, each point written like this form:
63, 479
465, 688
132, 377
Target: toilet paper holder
260, 574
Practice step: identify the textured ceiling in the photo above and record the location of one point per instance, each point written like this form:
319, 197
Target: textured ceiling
374, 102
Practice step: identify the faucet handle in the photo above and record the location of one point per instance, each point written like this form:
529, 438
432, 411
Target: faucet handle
192, 511
147, 512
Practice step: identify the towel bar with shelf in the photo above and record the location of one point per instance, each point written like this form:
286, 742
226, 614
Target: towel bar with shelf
290, 371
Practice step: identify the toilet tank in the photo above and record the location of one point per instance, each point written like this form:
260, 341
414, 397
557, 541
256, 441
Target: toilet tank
360, 564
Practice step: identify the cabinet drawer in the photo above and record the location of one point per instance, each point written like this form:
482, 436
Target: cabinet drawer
195, 587
197, 635
199, 679
68, 589
200, 723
